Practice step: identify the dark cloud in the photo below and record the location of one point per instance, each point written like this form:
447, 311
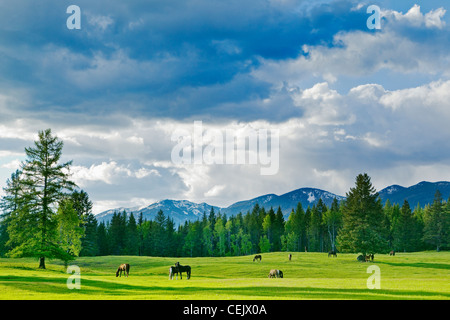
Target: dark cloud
173, 59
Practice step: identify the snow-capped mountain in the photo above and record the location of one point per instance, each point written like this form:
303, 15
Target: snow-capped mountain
179, 210
183, 210
421, 193
287, 202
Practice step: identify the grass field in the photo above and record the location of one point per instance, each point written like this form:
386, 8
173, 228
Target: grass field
423, 275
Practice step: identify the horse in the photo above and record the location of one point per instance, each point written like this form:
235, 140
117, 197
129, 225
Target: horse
332, 253
290, 257
125, 268
258, 256
274, 273
360, 258
369, 257
182, 269
172, 271
392, 253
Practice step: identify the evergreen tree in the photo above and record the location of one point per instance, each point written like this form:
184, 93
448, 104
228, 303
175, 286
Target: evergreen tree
132, 241
117, 233
160, 234
102, 240
314, 230
437, 223
362, 212
45, 181
278, 229
9, 204
405, 233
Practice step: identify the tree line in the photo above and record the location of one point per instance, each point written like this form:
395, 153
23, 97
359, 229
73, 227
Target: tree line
45, 215
319, 228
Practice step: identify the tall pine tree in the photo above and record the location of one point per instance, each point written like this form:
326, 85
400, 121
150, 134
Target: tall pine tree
45, 181
362, 212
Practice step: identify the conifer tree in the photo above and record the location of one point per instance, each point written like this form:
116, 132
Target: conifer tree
362, 220
45, 181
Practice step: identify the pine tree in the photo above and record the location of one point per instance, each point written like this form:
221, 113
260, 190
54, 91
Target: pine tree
160, 234
102, 240
437, 223
362, 228
9, 204
405, 233
132, 241
278, 229
45, 181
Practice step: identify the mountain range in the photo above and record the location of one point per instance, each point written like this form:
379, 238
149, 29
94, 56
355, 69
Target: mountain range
184, 210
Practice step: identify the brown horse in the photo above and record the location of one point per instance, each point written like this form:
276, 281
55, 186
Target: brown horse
125, 268
275, 273
392, 253
257, 257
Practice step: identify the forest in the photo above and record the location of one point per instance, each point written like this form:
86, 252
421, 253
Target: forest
45, 215
315, 229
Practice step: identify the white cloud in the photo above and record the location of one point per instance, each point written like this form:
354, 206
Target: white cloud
215, 191
107, 172
362, 53
13, 165
416, 18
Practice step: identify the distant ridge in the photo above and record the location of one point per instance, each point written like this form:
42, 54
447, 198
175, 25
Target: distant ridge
184, 210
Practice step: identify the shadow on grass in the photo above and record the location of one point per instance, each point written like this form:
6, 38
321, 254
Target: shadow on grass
417, 265
99, 289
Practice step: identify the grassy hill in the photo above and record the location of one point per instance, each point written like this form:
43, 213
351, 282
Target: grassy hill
424, 275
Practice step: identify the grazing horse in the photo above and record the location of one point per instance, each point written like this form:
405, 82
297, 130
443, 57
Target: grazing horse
369, 257
125, 268
182, 269
392, 253
274, 273
360, 258
258, 256
332, 253
172, 271
290, 257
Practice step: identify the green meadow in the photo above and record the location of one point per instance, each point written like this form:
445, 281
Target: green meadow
422, 275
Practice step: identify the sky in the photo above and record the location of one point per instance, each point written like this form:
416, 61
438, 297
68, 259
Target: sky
342, 99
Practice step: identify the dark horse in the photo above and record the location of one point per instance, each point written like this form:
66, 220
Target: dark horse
257, 257
182, 269
332, 253
392, 253
125, 268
